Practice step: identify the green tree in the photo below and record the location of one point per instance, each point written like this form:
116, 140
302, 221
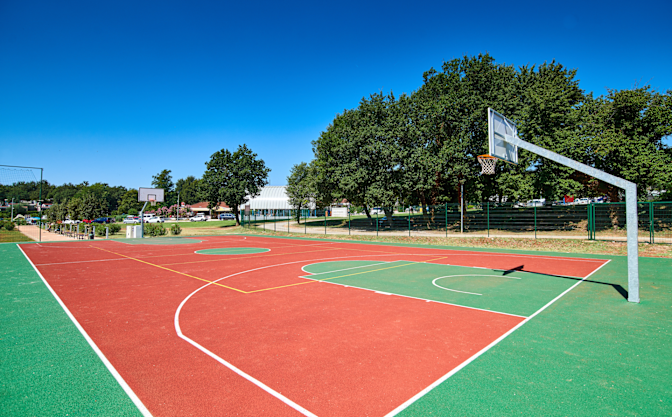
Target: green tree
164, 180
92, 207
622, 134
75, 209
301, 187
57, 212
233, 178
129, 203
188, 189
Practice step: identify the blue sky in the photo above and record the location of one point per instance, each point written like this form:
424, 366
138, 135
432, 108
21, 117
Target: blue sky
117, 91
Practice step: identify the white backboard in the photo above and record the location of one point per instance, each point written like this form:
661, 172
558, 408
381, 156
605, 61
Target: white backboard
147, 194
500, 129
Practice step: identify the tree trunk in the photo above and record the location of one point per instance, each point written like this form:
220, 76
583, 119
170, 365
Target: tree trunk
235, 213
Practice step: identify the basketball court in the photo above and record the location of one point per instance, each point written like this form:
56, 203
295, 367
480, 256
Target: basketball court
270, 326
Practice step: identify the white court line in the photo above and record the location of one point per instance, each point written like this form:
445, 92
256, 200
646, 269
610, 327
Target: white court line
418, 298
338, 270
485, 349
466, 275
287, 400
228, 254
471, 253
141, 407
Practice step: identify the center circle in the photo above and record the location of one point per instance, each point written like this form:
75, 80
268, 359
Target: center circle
231, 251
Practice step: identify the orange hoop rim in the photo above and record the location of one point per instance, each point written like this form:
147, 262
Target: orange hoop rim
486, 156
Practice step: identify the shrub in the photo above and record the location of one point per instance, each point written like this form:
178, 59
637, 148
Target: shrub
175, 229
7, 225
155, 229
114, 228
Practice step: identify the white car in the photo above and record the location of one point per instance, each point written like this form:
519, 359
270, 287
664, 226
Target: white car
154, 219
131, 220
71, 221
198, 218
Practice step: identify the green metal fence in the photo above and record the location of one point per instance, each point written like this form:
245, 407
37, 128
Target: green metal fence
593, 221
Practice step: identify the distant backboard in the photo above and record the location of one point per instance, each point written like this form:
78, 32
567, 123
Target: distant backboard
500, 129
150, 194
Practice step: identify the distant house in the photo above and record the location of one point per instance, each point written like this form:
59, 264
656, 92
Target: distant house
202, 208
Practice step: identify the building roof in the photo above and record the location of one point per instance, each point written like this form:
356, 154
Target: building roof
203, 206
271, 197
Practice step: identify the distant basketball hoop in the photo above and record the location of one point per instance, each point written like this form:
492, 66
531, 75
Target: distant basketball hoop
488, 164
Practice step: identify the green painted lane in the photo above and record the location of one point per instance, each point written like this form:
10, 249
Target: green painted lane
48, 368
520, 293
589, 354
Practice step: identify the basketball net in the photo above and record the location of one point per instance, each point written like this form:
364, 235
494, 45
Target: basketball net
152, 201
487, 164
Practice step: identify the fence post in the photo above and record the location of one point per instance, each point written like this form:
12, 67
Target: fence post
107, 232
348, 220
651, 228
446, 217
487, 207
325, 222
588, 214
289, 219
376, 224
535, 220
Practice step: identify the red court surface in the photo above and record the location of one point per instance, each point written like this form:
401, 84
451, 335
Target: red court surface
265, 341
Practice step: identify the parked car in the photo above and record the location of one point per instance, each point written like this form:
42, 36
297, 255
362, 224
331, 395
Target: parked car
104, 220
227, 216
582, 201
68, 221
154, 219
131, 220
198, 218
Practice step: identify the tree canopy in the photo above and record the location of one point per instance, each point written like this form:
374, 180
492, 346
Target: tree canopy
233, 178
419, 148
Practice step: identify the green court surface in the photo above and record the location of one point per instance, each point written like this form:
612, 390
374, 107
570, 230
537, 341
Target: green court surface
231, 251
590, 353
510, 292
48, 368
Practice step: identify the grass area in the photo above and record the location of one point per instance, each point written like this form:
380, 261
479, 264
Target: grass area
13, 236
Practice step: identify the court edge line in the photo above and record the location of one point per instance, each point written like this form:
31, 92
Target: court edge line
248, 377
259, 383
117, 376
485, 349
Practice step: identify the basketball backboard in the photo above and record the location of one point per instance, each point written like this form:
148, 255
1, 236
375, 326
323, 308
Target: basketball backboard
151, 194
500, 130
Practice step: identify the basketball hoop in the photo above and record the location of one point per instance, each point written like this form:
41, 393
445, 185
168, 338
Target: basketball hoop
152, 201
487, 164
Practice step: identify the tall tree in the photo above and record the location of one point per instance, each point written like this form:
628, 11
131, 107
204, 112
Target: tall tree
233, 178
301, 187
164, 180
129, 203
187, 188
